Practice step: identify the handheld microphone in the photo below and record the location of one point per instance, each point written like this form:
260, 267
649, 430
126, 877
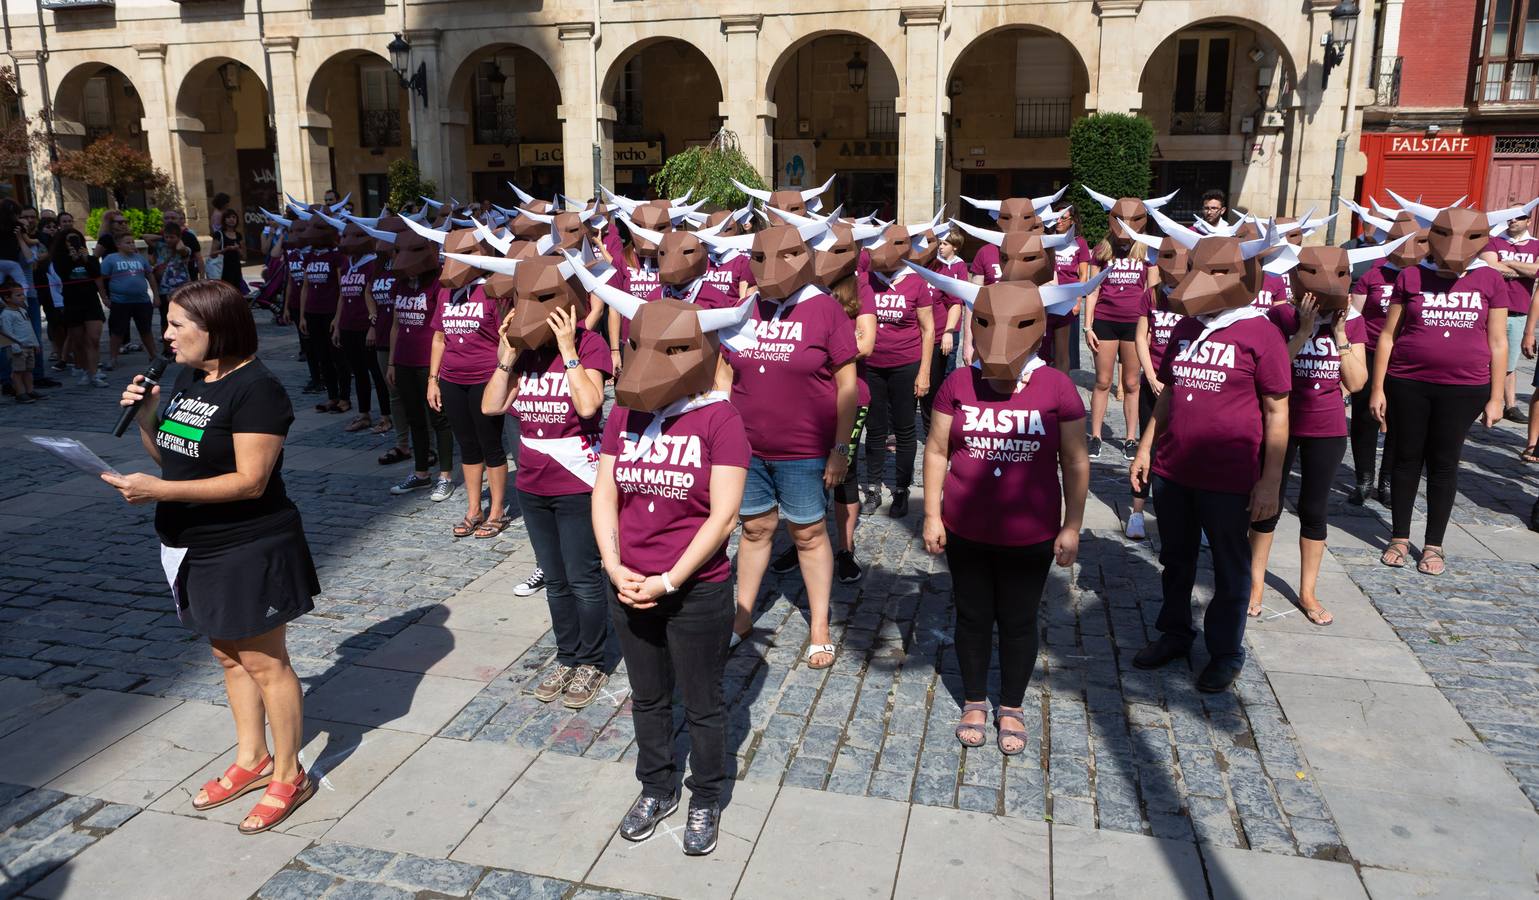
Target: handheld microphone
151, 379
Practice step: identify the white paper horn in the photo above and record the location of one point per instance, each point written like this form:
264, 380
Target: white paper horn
997, 238
432, 234
1058, 297
761, 196
499, 264
955, 287
1186, 237
1106, 202
624, 303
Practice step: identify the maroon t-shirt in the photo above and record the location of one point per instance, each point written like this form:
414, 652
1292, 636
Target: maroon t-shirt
1002, 485
727, 275
414, 308
897, 305
1375, 286
1066, 261
1274, 290
469, 321
1162, 320
665, 492
383, 289
611, 240
703, 293
353, 314
1121, 295
544, 410
323, 268
294, 261
1314, 405
1520, 291
1443, 338
986, 263
1212, 438
642, 279
943, 301
784, 385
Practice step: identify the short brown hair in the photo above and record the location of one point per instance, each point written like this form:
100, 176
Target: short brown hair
956, 238
219, 309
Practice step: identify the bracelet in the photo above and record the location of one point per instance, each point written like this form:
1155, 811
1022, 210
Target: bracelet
432, 377
505, 367
668, 587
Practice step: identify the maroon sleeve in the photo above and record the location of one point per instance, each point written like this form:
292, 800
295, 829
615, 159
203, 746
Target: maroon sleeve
1070, 407
593, 353
729, 439
436, 320
1286, 317
1274, 370
946, 396
1357, 330
612, 429
841, 337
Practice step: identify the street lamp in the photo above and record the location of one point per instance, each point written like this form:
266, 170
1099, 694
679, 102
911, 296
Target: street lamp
856, 68
400, 60
1343, 32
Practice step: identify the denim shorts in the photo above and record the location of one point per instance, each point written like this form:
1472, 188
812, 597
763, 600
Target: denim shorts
794, 485
1515, 327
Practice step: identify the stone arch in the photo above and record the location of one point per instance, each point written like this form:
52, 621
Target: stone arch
223, 141
365, 112
94, 99
504, 98
666, 93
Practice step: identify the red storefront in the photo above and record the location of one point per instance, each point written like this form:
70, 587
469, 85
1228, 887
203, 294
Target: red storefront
1439, 169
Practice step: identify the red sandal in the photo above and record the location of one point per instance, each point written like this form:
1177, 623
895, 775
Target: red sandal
282, 798
242, 782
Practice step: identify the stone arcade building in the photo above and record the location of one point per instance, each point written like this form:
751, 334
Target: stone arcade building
902, 102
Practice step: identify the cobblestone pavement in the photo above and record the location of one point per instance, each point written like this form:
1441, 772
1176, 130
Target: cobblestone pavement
41, 829
1114, 748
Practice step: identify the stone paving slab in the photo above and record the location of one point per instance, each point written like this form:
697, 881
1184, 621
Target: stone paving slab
1236, 874
1101, 863
816, 843
435, 650
385, 698
43, 829
37, 753
949, 852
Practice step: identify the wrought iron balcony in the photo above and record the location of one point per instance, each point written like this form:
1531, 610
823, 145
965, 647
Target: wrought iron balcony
496, 122
1202, 118
379, 128
882, 119
1043, 117
1386, 82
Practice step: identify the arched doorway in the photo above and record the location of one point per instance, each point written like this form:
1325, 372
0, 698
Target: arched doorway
835, 99
95, 100
1014, 94
667, 97
362, 98
510, 96
233, 153
1221, 96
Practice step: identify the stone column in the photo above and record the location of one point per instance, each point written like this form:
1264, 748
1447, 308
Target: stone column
34, 103
427, 119
287, 112
1115, 83
745, 109
580, 129
173, 141
917, 113
1315, 135
454, 180
315, 129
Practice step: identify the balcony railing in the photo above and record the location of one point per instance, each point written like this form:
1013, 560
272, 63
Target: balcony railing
882, 119
1200, 119
496, 122
1386, 82
628, 121
378, 128
1043, 117
1507, 81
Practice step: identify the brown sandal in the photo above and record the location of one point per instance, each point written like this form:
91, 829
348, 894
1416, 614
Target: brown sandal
1018, 714
1317, 614
1530, 454
282, 798
980, 728
1399, 548
468, 526
490, 528
1432, 553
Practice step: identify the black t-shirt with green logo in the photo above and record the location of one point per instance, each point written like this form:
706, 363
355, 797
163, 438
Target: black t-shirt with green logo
196, 440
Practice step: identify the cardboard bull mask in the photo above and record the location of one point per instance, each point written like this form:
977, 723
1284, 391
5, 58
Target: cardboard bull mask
681, 258
1128, 214
672, 347
797, 202
1023, 256
1169, 256
1326, 272
1020, 213
500, 282
888, 256
1225, 272
780, 257
455, 273
417, 249
1456, 237
1009, 318
726, 222
540, 285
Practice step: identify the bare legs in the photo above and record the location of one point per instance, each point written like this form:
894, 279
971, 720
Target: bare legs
263, 692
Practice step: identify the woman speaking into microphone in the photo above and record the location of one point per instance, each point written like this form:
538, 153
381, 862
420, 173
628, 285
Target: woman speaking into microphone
230, 534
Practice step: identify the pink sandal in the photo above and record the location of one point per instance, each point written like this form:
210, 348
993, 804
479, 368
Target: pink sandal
242, 782
282, 798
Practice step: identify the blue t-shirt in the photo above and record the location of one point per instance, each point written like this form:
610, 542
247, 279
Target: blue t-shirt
127, 277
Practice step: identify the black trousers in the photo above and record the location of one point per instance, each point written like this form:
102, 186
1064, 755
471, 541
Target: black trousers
1146, 401
1185, 514
893, 410
411, 384
1429, 423
329, 362
1318, 457
311, 361
996, 586
847, 491
576, 589
938, 374
479, 435
682, 641
363, 362
1364, 433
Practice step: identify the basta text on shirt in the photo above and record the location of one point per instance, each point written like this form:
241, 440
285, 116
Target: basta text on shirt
465, 314
996, 434
1451, 309
1203, 365
411, 310
534, 403
777, 340
637, 469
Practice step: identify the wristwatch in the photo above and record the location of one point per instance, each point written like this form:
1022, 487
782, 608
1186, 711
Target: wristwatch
842, 449
572, 364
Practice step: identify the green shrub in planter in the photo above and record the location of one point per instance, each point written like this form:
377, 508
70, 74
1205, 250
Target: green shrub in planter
1110, 152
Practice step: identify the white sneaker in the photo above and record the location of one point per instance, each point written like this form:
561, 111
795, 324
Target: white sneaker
84, 379
443, 489
1204, 535
100, 381
1135, 527
531, 585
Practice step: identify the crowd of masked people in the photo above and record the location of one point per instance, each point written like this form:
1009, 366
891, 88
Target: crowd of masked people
63, 288
675, 374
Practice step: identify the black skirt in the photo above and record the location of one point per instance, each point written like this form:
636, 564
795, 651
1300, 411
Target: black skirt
238, 591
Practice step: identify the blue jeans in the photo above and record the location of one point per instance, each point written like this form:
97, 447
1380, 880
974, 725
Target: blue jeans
794, 485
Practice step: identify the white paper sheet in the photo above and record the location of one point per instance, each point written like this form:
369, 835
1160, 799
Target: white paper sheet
73, 452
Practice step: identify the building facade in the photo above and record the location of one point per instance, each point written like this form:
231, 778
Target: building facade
1456, 102
907, 104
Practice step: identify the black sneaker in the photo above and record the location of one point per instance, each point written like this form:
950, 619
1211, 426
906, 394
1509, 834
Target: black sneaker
60, 365
24, 399
1218, 675
899, 507
644, 814
786, 562
1361, 493
1130, 448
700, 830
870, 499
313, 387
1164, 649
1533, 517
1516, 414
8, 391
1384, 493
531, 585
848, 571
1095, 448
47, 382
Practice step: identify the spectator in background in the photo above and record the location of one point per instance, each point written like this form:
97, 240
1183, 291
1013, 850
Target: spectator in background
1215, 206
79, 278
16, 264
130, 293
190, 250
217, 207
66, 221
114, 229
228, 244
21, 343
